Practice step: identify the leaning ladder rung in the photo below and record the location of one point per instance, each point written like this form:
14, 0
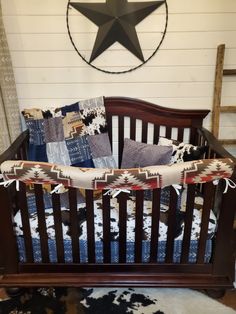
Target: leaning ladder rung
228, 72
227, 141
229, 109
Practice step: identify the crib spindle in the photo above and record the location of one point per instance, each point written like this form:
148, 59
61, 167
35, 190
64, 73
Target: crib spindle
132, 129
144, 131
188, 223
168, 132
193, 136
171, 223
120, 137
180, 136
90, 226
138, 226
18, 154
109, 127
207, 206
106, 228
155, 224
56, 204
122, 200
74, 225
8, 260
41, 223
23, 206
156, 134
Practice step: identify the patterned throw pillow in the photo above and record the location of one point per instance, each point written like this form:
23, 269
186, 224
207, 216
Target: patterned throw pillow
136, 154
181, 151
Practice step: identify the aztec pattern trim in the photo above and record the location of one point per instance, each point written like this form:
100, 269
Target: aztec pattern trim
192, 172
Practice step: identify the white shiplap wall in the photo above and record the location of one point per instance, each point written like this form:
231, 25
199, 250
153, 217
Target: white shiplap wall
49, 72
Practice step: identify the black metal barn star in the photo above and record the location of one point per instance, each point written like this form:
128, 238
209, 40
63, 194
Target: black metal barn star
116, 20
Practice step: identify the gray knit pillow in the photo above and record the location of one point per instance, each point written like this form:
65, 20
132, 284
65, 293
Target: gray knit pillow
136, 154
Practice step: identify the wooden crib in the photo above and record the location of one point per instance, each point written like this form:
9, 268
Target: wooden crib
143, 117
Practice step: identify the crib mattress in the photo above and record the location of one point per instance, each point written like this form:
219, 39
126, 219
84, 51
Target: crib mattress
114, 227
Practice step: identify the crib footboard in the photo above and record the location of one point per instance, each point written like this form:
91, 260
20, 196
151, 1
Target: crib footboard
105, 243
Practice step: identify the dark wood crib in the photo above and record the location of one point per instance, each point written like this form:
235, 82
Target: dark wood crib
142, 117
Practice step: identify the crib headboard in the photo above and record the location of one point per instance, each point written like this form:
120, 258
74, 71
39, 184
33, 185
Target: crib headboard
145, 122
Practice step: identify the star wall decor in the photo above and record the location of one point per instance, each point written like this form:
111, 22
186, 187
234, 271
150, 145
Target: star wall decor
116, 21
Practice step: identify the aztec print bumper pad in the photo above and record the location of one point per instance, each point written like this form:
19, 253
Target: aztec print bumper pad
191, 172
70, 135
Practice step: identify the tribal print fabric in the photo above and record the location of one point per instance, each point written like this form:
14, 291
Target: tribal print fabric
191, 172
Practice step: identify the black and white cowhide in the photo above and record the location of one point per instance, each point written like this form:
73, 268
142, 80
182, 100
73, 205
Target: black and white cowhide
148, 301
119, 300
111, 301
182, 151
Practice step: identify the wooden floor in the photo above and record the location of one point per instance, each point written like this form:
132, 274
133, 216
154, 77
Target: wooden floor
229, 299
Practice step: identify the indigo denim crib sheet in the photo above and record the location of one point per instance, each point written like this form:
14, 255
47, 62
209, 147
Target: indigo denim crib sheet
114, 227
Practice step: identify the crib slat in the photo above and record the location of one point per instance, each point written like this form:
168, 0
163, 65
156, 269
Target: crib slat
155, 224
120, 137
23, 205
144, 132
22, 152
188, 223
106, 228
109, 126
10, 257
18, 154
156, 134
171, 223
192, 135
90, 226
207, 205
132, 129
180, 134
122, 199
138, 226
74, 225
168, 132
25, 147
41, 223
56, 205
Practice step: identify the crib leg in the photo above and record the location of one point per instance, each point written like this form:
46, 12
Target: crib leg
14, 291
215, 293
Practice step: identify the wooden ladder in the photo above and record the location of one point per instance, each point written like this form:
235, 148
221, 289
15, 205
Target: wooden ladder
217, 106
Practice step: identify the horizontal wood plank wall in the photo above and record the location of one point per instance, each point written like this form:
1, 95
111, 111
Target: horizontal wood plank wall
49, 72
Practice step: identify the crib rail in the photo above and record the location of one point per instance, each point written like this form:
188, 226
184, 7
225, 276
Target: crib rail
154, 269
215, 149
30, 264
18, 149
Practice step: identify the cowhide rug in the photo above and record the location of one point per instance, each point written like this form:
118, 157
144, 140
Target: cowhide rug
112, 301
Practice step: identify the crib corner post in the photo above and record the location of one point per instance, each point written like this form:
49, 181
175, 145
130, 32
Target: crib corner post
223, 259
8, 246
